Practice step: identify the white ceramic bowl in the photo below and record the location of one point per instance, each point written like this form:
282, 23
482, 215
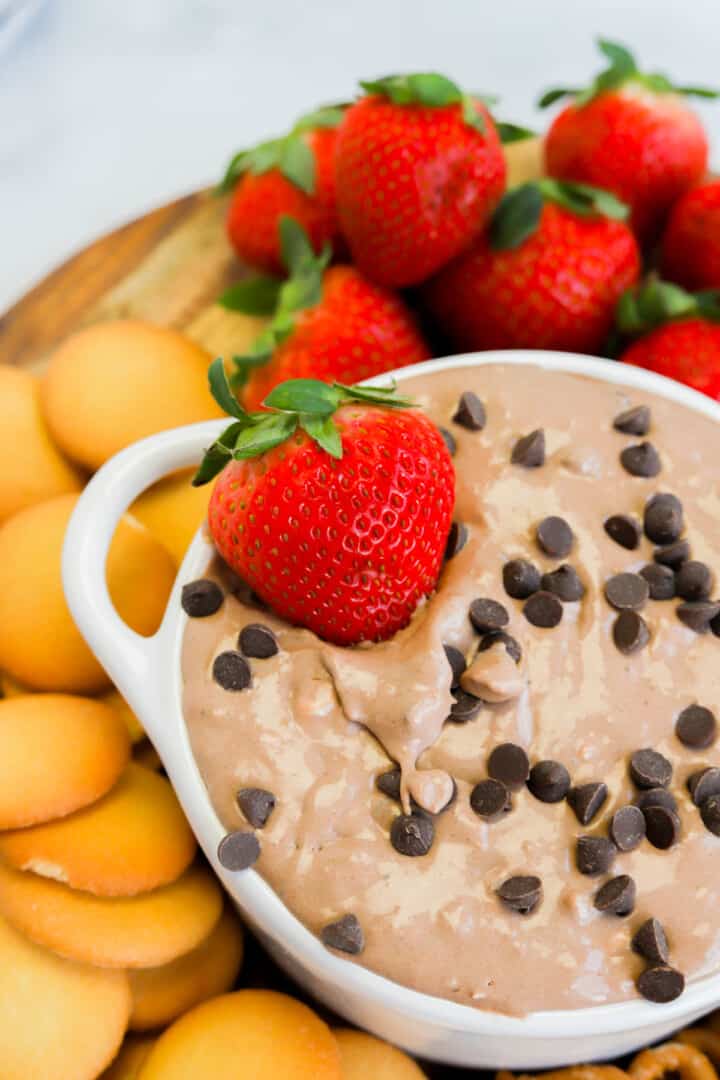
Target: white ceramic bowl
147, 672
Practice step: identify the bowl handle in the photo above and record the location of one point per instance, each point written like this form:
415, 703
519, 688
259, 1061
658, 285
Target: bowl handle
129, 658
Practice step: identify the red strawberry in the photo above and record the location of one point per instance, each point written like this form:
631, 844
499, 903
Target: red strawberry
547, 275
680, 334
632, 134
691, 243
335, 507
294, 175
330, 324
419, 169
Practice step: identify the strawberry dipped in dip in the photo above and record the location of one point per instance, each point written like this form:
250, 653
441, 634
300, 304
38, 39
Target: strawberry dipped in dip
452, 681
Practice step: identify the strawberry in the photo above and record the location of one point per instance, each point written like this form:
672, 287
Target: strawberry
690, 253
419, 169
632, 134
335, 507
332, 324
293, 175
547, 274
680, 333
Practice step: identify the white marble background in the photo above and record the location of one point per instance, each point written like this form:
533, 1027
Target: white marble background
109, 107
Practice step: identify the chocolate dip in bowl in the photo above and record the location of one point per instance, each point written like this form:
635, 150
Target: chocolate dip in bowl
467, 862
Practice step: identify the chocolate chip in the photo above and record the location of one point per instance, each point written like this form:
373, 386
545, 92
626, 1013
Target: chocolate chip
543, 610
649, 769
564, 583
710, 813
594, 855
663, 519
470, 412
662, 826
345, 935
673, 555
657, 796
412, 834
530, 450
661, 984
696, 727
201, 598
694, 581
521, 894
509, 764
512, 646
465, 707
238, 850
616, 896
457, 539
456, 660
490, 799
630, 632
627, 828
697, 615
549, 781
520, 578
487, 615
231, 671
635, 421
555, 537
704, 783
627, 592
587, 800
642, 459
449, 440
258, 641
624, 530
256, 804
661, 581
651, 943
389, 783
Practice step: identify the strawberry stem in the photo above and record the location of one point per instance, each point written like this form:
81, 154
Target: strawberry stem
305, 403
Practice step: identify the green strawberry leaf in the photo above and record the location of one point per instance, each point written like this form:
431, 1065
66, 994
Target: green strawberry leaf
619, 57
471, 115
217, 456
708, 303
297, 163
254, 295
375, 395
295, 247
267, 432
697, 91
583, 199
556, 94
433, 89
236, 167
516, 218
308, 396
512, 133
325, 433
327, 116
655, 303
220, 390
429, 89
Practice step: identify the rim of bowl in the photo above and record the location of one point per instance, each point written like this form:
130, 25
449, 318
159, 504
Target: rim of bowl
279, 923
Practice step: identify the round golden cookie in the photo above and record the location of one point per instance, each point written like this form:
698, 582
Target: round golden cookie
115, 699
128, 1063
34, 469
57, 1019
253, 1033
123, 932
134, 839
173, 511
126, 379
161, 994
39, 643
365, 1056
57, 754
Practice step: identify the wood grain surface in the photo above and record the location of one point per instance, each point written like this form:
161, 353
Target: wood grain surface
168, 267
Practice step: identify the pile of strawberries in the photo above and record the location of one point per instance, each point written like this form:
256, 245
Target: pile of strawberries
383, 234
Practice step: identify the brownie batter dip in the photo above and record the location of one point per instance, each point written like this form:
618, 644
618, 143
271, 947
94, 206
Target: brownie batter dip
514, 803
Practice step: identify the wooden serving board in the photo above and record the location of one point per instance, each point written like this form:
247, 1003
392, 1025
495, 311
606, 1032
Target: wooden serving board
167, 267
